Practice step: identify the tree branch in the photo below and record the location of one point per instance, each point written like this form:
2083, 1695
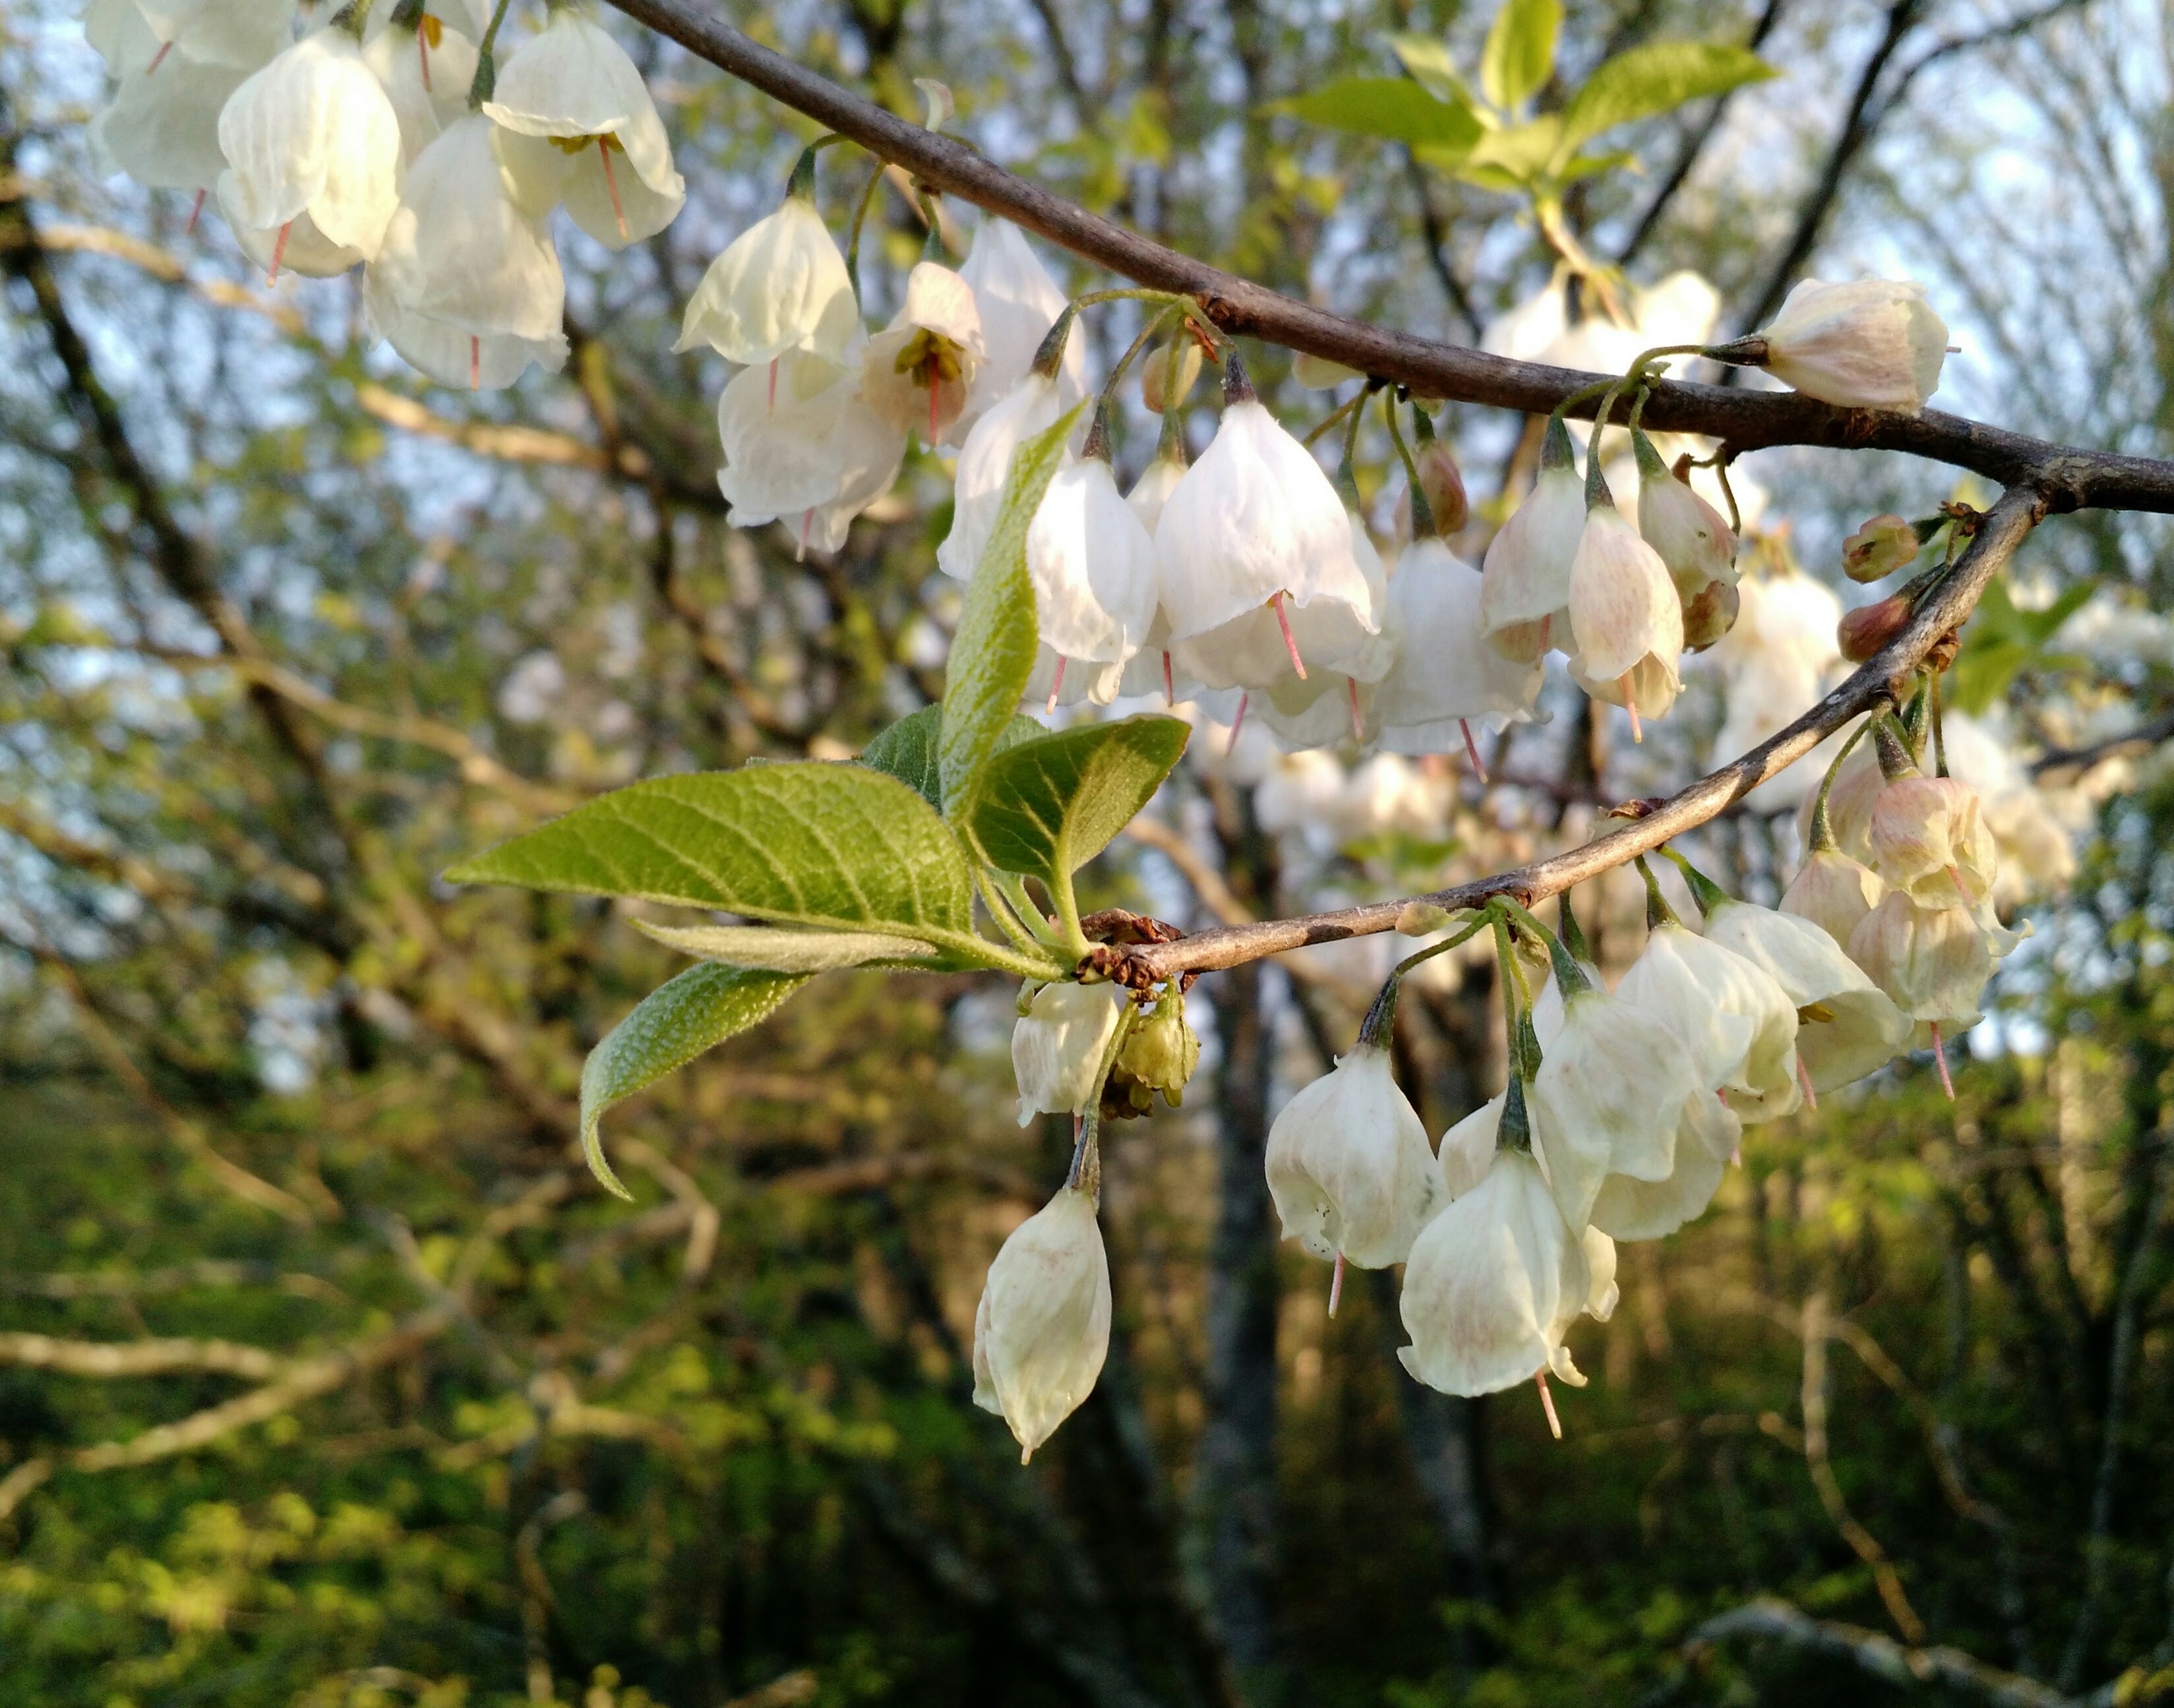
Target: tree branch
138, 1357
1880, 1656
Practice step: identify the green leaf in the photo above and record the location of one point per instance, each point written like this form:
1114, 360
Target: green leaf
1657, 79
2002, 641
1510, 158
1520, 51
834, 846
671, 1026
1430, 65
992, 654
907, 749
1395, 109
776, 949
1050, 806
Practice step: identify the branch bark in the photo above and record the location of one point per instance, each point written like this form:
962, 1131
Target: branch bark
1881, 1656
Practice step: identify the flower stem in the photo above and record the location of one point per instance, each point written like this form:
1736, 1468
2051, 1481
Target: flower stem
1423, 522
1823, 836
486, 71
861, 204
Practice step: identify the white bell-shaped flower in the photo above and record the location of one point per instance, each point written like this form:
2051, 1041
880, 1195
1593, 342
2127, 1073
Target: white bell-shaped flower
1833, 892
1602, 1295
1626, 616
1856, 786
781, 285
1846, 1027
162, 128
468, 287
802, 449
1735, 1019
1524, 602
1492, 1285
1154, 668
1256, 530
1929, 840
1694, 543
1307, 660
581, 130
1932, 961
1093, 567
138, 35
428, 71
920, 369
1058, 1046
313, 136
1467, 1148
1445, 677
985, 460
1042, 1330
1871, 344
1706, 1137
1348, 1165
1019, 302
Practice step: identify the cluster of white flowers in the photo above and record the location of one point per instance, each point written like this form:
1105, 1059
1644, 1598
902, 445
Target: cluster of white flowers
388, 138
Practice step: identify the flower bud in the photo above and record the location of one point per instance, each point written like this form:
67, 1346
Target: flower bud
1166, 376
1042, 1329
1882, 546
1348, 1165
1864, 632
1626, 616
1873, 344
1443, 481
1525, 587
1692, 538
1710, 615
1160, 1056
1057, 1045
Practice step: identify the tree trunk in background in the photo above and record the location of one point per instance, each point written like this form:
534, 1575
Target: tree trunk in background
1234, 1488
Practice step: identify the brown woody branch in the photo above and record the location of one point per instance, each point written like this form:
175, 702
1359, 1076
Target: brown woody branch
2067, 479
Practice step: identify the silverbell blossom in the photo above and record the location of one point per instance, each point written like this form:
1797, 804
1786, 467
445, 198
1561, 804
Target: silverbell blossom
1846, 1027
1042, 1330
807, 454
1255, 526
178, 66
1304, 657
1467, 1148
1929, 840
780, 286
1350, 1167
1735, 1019
1833, 892
1057, 1048
468, 287
1932, 961
1707, 1137
1857, 784
313, 136
1019, 302
1445, 677
1693, 543
1626, 618
1871, 344
918, 371
580, 130
977, 488
1154, 668
1525, 578
1492, 1285
240, 34
1093, 567
427, 73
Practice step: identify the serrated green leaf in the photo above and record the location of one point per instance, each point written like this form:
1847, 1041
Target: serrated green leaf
907, 749
1428, 62
774, 948
992, 654
1395, 109
1520, 51
1642, 81
1050, 806
671, 1026
835, 846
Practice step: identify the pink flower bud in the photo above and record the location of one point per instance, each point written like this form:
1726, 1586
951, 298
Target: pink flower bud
1166, 376
1864, 632
1882, 546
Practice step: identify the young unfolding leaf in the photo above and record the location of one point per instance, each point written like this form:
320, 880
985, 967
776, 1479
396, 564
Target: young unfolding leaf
1520, 51
1050, 805
2002, 640
1642, 81
782, 951
671, 1026
992, 654
908, 748
1393, 108
1428, 61
834, 846
1510, 160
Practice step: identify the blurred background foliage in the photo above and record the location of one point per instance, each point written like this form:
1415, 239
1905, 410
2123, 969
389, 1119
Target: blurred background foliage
328, 1377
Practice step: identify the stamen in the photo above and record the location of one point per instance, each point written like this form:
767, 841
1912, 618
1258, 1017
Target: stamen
773, 385
423, 54
806, 521
1804, 1079
1940, 1056
1630, 706
1169, 689
279, 250
196, 212
159, 58
611, 183
1290, 644
1351, 697
1957, 878
475, 363
1057, 683
1548, 1405
1471, 752
1336, 1285
1237, 723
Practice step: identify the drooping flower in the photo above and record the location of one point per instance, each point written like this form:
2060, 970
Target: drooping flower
1348, 1165
1093, 567
1929, 840
1706, 1137
1872, 344
811, 455
1154, 667
919, 369
1445, 676
582, 131
1492, 1285
1739, 1024
1856, 784
467, 287
985, 460
1525, 592
427, 71
1833, 892
1058, 1047
240, 34
1848, 1027
1019, 302
1693, 543
781, 285
1254, 535
177, 66
312, 145
1626, 616
1310, 661
1042, 1330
